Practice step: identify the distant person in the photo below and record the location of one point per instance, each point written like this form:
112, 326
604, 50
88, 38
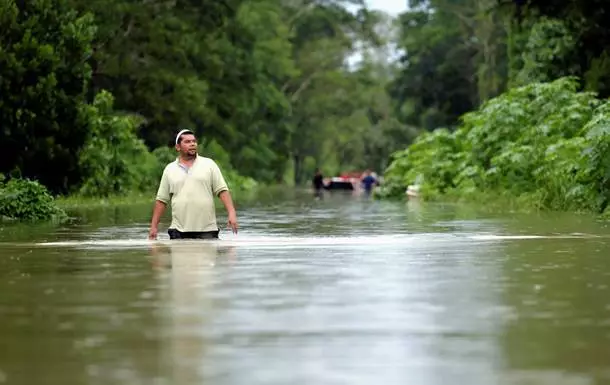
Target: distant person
368, 181
190, 183
318, 183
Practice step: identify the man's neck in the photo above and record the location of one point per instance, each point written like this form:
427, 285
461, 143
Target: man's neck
187, 159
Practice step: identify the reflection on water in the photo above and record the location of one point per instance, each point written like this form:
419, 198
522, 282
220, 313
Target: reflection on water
189, 272
336, 291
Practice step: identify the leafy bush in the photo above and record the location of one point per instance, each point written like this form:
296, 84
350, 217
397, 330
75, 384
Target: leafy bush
163, 156
44, 73
24, 199
546, 142
114, 160
212, 149
549, 52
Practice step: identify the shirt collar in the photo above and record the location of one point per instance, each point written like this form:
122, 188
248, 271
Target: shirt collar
186, 168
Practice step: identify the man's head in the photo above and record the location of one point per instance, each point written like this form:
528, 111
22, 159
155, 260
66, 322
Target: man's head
186, 144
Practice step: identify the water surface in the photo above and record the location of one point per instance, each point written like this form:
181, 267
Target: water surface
340, 291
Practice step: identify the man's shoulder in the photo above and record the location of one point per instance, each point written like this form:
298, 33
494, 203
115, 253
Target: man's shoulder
173, 163
205, 161
170, 166
205, 158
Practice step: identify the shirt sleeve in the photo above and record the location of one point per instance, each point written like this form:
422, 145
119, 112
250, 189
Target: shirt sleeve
163, 194
218, 181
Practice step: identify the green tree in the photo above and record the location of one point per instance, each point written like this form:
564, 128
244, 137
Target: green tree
264, 84
436, 83
44, 72
545, 143
323, 94
569, 37
114, 160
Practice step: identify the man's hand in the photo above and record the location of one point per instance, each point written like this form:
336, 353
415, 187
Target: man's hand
225, 197
152, 233
156, 217
232, 222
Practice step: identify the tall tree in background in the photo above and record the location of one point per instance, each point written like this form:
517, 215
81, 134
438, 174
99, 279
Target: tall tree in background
562, 38
44, 74
266, 80
269, 86
323, 92
454, 59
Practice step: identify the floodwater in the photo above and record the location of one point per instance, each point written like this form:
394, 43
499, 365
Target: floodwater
339, 291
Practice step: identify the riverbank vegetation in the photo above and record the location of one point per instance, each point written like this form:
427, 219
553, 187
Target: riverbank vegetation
530, 122
504, 97
93, 92
545, 143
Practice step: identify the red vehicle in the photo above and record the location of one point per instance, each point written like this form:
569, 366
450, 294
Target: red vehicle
345, 181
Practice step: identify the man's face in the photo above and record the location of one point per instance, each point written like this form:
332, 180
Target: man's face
188, 145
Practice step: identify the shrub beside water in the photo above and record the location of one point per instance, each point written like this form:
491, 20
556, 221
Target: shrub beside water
545, 143
115, 162
22, 199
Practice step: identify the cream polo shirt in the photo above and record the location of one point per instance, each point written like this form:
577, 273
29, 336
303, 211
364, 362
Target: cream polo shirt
191, 192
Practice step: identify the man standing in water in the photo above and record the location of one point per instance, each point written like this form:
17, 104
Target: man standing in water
368, 181
191, 182
318, 184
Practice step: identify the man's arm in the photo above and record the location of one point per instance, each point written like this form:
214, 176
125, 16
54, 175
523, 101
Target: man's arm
220, 188
163, 196
227, 201
156, 218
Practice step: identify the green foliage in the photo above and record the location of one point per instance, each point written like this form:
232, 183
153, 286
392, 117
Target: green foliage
267, 86
236, 181
264, 85
454, 58
27, 200
44, 47
570, 38
413, 165
548, 52
163, 156
114, 160
544, 141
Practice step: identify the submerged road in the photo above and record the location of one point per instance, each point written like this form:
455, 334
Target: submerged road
340, 291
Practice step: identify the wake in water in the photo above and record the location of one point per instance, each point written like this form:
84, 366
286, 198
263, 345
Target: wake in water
247, 241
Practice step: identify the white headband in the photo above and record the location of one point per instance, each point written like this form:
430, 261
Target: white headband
180, 133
